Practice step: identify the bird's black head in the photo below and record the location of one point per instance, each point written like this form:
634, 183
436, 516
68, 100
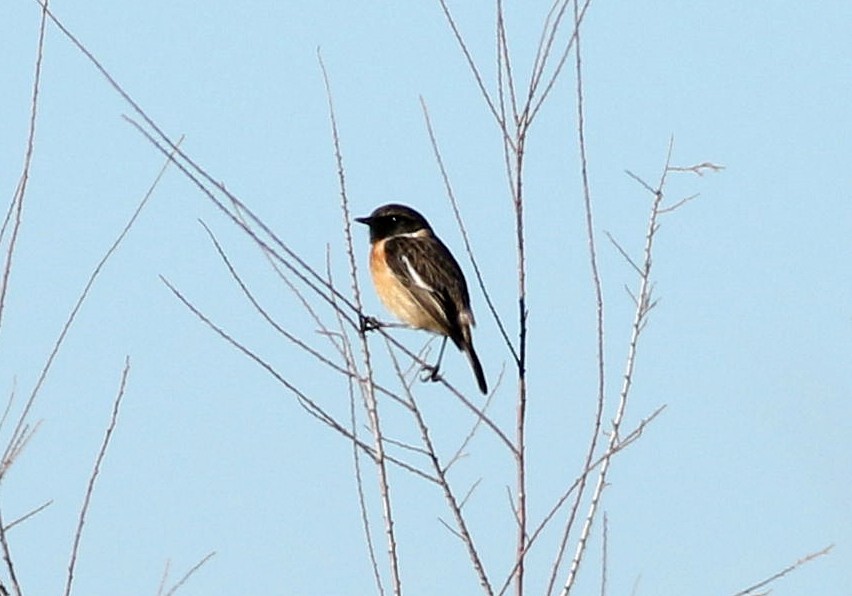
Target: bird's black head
394, 220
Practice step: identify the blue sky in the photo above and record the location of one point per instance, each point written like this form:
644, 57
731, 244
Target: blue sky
747, 469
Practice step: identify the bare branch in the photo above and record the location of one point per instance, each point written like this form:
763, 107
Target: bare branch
266, 316
367, 387
623, 254
462, 531
309, 405
469, 493
680, 203
604, 553
628, 440
463, 229
28, 515
644, 184
19, 428
562, 59
351, 365
190, 573
698, 169
475, 71
90, 489
164, 578
476, 424
17, 207
645, 287
597, 284
7, 558
785, 571
504, 69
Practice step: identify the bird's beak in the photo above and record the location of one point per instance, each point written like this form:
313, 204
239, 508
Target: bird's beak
363, 220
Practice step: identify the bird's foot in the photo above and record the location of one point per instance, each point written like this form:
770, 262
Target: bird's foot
430, 373
368, 323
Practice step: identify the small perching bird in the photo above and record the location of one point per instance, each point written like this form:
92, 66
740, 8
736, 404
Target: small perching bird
419, 280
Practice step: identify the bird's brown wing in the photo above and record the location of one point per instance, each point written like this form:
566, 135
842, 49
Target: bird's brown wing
430, 272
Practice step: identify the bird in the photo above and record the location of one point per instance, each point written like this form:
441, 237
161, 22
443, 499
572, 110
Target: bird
419, 281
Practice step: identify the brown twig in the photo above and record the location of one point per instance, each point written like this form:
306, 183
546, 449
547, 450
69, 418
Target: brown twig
367, 386
180, 583
28, 515
347, 352
7, 558
282, 274
640, 315
597, 285
476, 424
90, 488
604, 552
545, 53
309, 405
625, 442
164, 578
461, 531
299, 343
17, 206
451, 195
504, 69
785, 571
475, 71
16, 445
19, 428
698, 169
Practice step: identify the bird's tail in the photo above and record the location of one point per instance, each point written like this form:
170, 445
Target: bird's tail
477, 367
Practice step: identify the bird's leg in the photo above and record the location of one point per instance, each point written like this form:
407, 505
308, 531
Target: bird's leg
432, 370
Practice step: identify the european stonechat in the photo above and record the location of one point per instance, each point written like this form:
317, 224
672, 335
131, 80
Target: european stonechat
419, 280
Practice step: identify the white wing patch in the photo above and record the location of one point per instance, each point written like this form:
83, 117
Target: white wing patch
415, 277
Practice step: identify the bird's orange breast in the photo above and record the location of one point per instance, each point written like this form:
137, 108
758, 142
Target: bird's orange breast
395, 296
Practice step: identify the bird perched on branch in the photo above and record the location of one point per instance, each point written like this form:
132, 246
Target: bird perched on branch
419, 280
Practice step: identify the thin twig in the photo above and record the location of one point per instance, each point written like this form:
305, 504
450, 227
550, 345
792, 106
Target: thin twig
469, 492
533, 111
624, 254
16, 446
9, 403
625, 442
504, 68
190, 573
78, 305
475, 71
679, 204
698, 169
90, 488
463, 229
17, 206
164, 578
786, 570
7, 558
309, 405
461, 531
208, 185
476, 424
301, 344
367, 387
347, 350
639, 318
28, 515
597, 284
604, 553
282, 274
